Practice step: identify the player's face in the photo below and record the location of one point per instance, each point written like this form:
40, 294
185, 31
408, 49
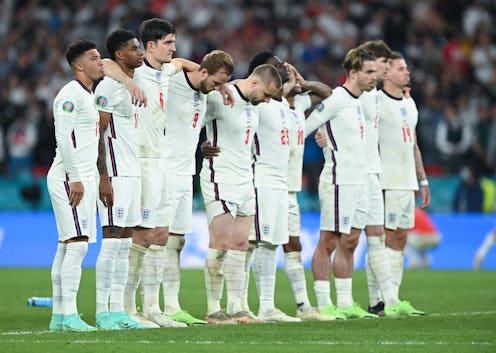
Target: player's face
398, 74
382, 65
164, 48
92, 65
132, 54
279, 65
215, 81
261, 92
367, 76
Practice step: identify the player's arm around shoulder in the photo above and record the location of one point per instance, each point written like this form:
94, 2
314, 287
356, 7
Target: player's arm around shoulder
188, 65
113, 70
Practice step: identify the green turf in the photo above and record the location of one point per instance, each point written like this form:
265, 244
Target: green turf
461, 307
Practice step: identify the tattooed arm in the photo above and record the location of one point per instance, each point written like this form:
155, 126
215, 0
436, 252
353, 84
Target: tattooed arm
105, 188
425, 192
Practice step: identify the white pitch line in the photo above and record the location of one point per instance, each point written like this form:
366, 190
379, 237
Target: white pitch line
464, 314
302, 343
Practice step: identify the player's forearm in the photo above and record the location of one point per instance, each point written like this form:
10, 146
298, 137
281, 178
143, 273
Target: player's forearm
186, 64
64, 137
101, 162
419, 165
317, 88
114, 71
313, 122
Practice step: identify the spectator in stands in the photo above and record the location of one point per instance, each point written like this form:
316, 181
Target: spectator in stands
21, 139
311, 34
469, 194
453, 139
484, 58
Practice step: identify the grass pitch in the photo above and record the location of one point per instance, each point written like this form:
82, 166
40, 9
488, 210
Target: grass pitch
461, 307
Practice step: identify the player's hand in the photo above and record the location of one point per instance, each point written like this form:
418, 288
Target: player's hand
425, 194
291, 83
208, 151
138, 96
227, 95
320, 139
106, 191
299, 79
76, 193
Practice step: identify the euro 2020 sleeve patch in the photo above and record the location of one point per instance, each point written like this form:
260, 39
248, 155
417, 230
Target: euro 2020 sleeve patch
101, 101
68, 107
320, 107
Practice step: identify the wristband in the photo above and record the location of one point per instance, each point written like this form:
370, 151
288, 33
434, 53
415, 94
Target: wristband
424, 182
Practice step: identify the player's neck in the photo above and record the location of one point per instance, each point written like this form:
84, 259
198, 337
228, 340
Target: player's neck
353, 88
127, 70
151, 61
85, 80
244, 86
393, 90
194, 78
278, 95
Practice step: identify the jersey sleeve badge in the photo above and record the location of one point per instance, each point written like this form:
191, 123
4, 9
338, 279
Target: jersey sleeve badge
101, 101
320, 107
68, 107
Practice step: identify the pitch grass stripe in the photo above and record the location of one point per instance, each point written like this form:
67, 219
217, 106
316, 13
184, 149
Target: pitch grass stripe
302, 343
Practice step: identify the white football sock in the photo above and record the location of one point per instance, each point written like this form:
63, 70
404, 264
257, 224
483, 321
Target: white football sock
244, 300
234, 272
70, 274
375, 295
58, 307
323, 293
120, 276
104, 271
136, 256
153, 271
172, 274
296, 275
344, 294
378, 262
214, 279
396, 261
264, 264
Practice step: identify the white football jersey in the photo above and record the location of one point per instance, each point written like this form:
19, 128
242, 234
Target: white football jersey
155, 83
396, 142
77, 131
232, 130
272, 141
342, 117
122, 134
371, 112
302, 102
186, 107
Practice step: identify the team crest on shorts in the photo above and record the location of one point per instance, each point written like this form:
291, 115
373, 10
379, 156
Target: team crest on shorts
119, 212
265, 229
391, 217
145, 214
101, 101
84, 223
68, 106
346, 220
320, 107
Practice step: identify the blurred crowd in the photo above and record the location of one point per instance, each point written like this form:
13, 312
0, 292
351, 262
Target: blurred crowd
450, 46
